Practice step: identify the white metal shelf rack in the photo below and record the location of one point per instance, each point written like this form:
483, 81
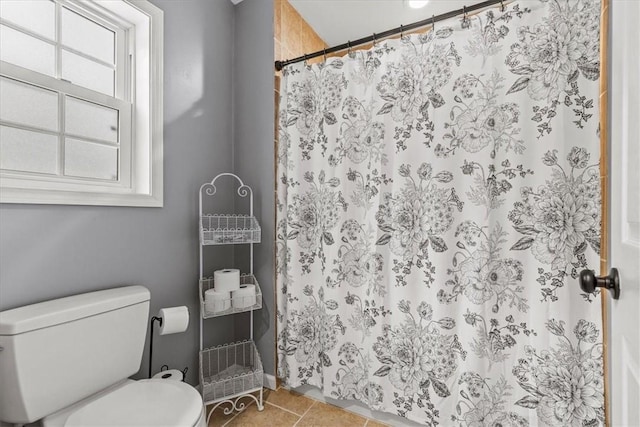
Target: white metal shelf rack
233, 371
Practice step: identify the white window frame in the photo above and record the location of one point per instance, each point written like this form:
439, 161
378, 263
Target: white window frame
140, 170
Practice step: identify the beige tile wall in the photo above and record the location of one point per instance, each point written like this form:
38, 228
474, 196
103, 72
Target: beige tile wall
293, 36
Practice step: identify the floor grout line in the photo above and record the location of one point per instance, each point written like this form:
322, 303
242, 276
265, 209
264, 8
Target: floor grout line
324, 402
305, 413
300, 417
283, 408
229, 420
238, 413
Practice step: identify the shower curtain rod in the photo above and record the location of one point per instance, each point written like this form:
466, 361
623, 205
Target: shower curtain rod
399, 30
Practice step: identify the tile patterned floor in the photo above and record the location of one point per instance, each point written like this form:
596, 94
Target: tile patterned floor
283, 408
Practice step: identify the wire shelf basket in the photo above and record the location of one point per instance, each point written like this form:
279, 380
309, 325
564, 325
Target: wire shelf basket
229, 229
231, 305
230, 370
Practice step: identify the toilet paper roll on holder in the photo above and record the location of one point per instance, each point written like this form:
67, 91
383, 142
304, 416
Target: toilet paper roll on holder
160, 321
168, 374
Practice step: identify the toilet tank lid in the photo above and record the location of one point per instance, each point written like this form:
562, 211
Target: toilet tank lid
50, 313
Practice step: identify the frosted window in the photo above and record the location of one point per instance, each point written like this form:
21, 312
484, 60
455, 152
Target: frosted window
91, 120
26, 51
28, 105
88, 37
37, 16
27, 151
89, 160
84, 72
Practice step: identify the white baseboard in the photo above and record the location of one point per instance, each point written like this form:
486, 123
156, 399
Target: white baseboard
270, 381
356, 407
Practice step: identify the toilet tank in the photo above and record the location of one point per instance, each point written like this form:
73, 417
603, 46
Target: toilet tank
58, 352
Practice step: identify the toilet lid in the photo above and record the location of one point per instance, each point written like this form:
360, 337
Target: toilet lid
142, 403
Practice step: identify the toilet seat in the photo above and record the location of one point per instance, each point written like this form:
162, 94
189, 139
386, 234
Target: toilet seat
143, 403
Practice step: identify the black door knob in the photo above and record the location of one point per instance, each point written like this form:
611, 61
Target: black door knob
589, 282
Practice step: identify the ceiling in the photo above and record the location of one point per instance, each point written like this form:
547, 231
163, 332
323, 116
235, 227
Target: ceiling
338, 21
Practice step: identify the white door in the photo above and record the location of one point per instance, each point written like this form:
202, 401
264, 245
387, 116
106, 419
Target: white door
624, 212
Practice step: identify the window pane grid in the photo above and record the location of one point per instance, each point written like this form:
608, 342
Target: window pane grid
106, 164
85, 35
89, 57
91, 121
85, 159
29, 105
60, 159
33, 53
62, 137
59, 45
8, 123
110, 137
106, 83
26, 31
30, 152
38, 16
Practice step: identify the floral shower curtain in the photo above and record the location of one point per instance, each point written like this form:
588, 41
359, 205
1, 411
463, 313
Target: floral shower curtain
437, 197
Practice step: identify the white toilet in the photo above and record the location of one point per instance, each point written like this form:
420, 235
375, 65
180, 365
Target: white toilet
66, 362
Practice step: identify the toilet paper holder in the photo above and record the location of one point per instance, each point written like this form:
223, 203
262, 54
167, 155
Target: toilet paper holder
160, 321
154, 319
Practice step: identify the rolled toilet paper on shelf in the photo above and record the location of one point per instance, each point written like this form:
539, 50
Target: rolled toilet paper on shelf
227, 280
174, 320
216, 301
244, 297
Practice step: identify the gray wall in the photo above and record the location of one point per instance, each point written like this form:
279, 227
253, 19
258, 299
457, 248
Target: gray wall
254, 154
51, 251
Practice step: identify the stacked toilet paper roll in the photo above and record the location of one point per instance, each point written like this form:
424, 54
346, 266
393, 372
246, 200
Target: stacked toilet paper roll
244, 297
216, 301
227, 280
227, 292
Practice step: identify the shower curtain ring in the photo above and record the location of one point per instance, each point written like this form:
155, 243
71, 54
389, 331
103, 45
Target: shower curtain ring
306, 63
349, 47
433, 23
374, 40
324, 55
401, 31
465, 18
502, 8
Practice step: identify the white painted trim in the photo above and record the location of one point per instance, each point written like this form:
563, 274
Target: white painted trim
355, 407
270, 381
15, 195
235, 2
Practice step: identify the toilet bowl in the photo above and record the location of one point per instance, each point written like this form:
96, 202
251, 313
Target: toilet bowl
66, 362
141, 403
